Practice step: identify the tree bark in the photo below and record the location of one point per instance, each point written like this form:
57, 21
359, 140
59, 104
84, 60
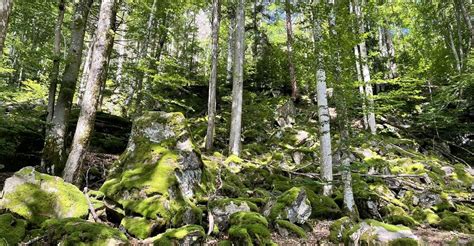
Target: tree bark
361, 87
5, 11
211, 105
238, 77
230, 44
54, 152
366, 71
467, 19
453, 48
289, 45
53, 78
323, 109
85, 125
85, 71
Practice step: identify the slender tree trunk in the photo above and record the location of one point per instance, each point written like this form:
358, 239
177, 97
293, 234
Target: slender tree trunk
54, 152
256, 34
323, 109
85, 125
142, 56
56, 61
230, 44
238, 77
289, 45
85, 71
5, 10
467, 19
393, 68
366, 71
211, 105
453, 48
459, 32
361, 87
122, 53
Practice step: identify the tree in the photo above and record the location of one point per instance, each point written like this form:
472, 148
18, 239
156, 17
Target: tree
230, 42
289, 45
54, 151
85, 125
5, 10
323, 109
211, 106
364, 60
238, 77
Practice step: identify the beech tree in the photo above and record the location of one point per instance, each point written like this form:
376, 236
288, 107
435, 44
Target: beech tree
54, 152
85, 125
5, 10
289, 45
238, 80
211, 113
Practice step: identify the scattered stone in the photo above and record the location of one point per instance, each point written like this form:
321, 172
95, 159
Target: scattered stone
36, 197
378, 233
293, 205
223, 209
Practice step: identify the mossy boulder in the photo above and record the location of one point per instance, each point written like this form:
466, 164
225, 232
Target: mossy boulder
36, 197
139, 227
323, 206
286, 228
186, 235
249, 228
12, 230
73, 231
338, 227
372, 232
293, 205
157, 175
222, 209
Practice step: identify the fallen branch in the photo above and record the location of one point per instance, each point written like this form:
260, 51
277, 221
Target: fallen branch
91, 208
34, 240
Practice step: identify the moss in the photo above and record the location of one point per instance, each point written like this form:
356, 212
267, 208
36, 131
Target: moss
403, 242
174, 236
462, 175
450, 223
401, 220
416, 168
388, 227
73, 231
249, 228
225, 243
323, 206
138, 227
286, 199
44, 197
337, 229
12, 230
292, 228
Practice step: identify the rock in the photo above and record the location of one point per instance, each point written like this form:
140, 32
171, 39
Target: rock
323, 207
37, 197
377, 233
448, 170
293, 205
249, 228
12, 230
338, 227
158, 173
139, 227
184, 236
428, 199
285, 115
297, 157
286, 228
223, 209
73, 231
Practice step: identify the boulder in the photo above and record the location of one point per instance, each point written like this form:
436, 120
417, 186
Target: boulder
157, 176
36, 197
293, 205
249, 228
285, 114
377, 233
184, 236
224, 208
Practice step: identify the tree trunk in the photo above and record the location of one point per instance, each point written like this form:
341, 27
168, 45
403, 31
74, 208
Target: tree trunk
85, 124
453, 48
54, 152
366, 71
56, 60
238, 77
256, 34
5, 10
361, 87
467, 19
211, 105
323, 109
122, 54
289, 45
230, 44
85, 71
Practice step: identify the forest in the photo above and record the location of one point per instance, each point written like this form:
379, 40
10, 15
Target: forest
233, 122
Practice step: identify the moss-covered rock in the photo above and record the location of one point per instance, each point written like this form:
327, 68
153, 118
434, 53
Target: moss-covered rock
249, 228
222, 209
338, 228
323, 206
73, 231
450, 223
12, 230
37, 197
286, 228
293, 205
186, 235
378, 233
139, 227
158, 174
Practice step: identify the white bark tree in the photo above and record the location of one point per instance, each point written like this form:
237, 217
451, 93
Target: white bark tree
211, 105
289, 46
238, 77
323, 109
230, 44
85, 125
